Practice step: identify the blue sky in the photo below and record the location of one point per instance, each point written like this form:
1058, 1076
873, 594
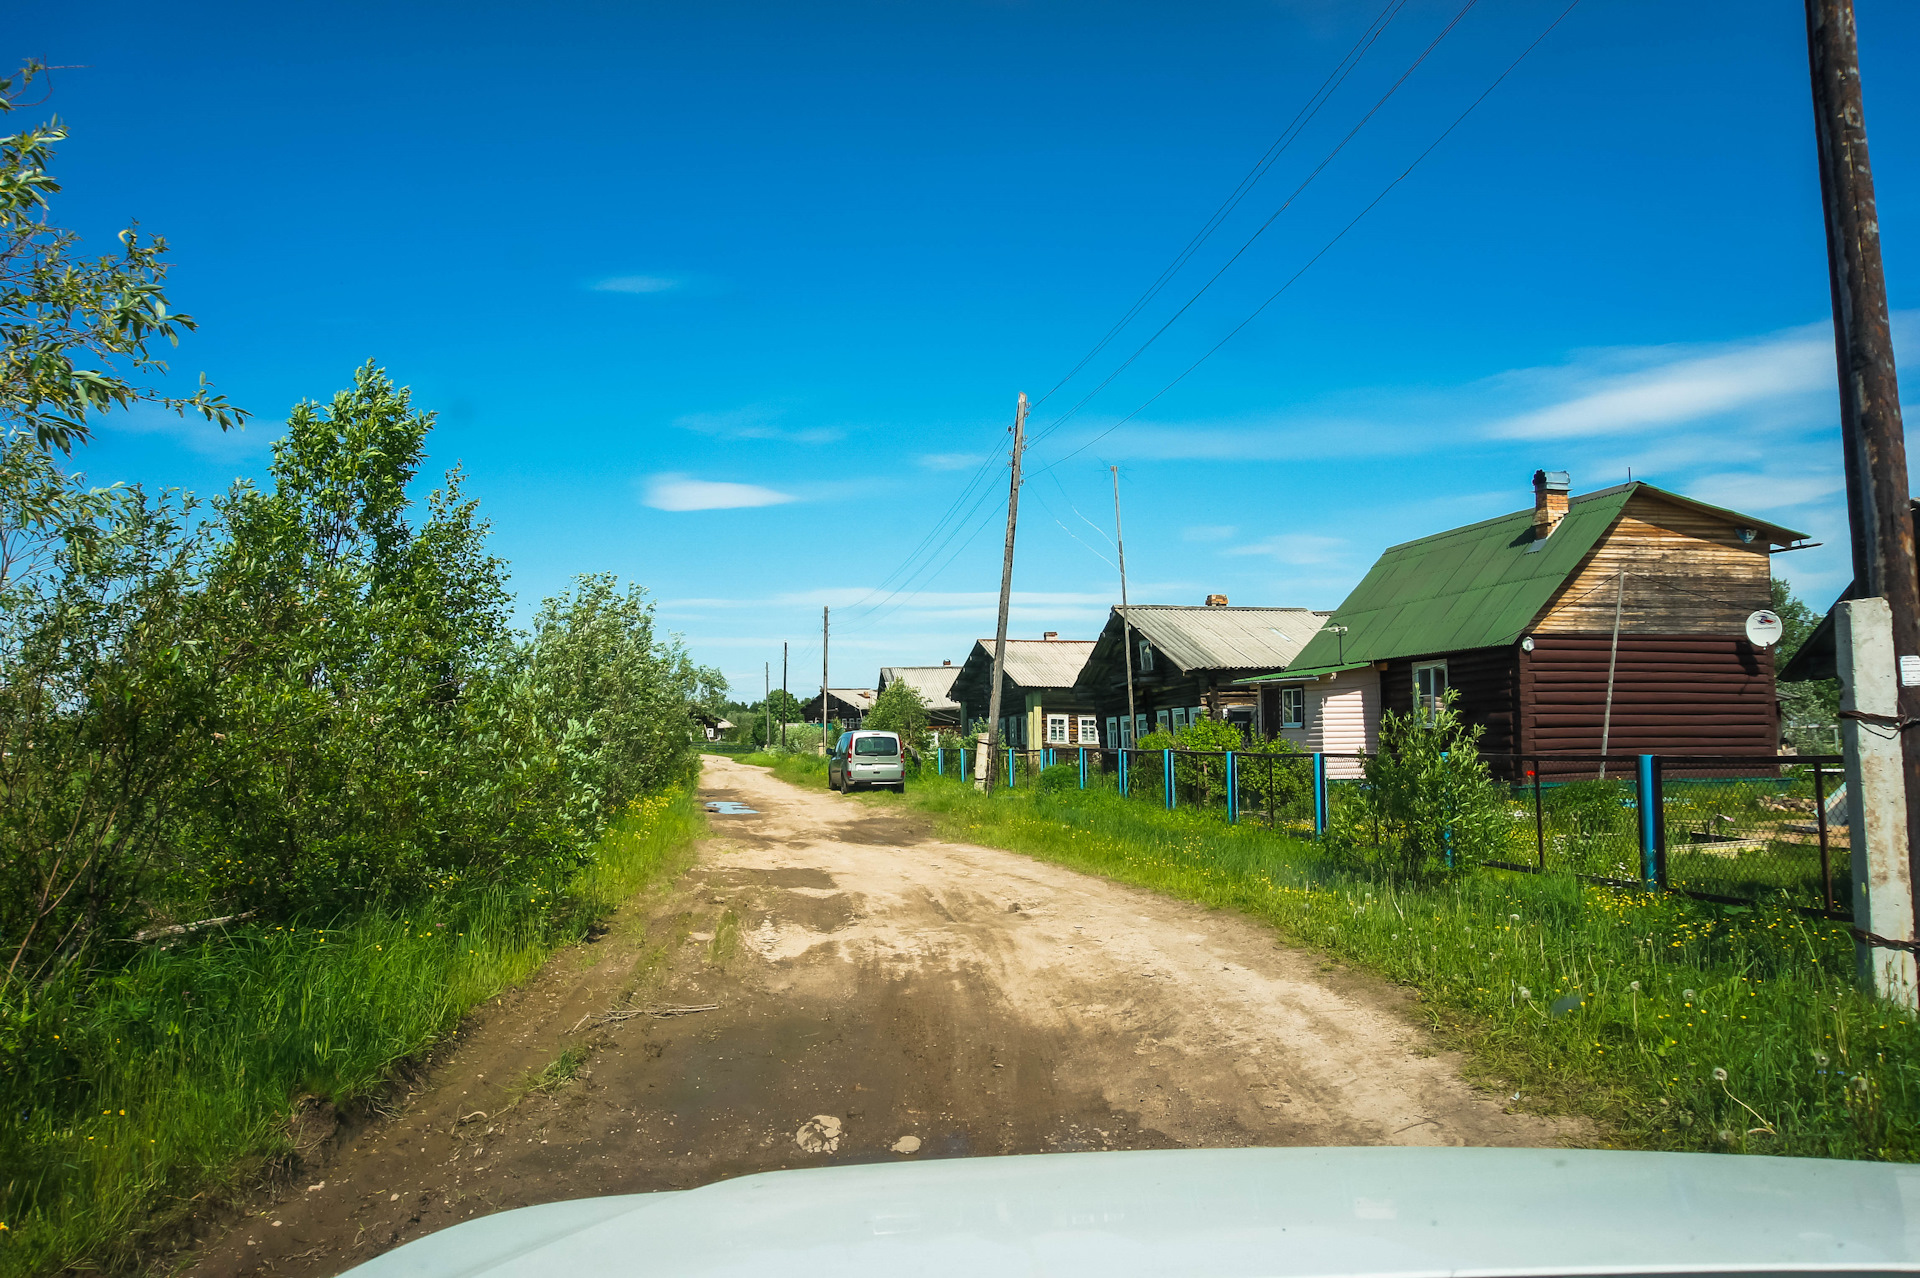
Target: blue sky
734, 300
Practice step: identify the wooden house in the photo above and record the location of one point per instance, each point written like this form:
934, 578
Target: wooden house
1041, 703
1523, 616
847, 707
1186, 662
935, 686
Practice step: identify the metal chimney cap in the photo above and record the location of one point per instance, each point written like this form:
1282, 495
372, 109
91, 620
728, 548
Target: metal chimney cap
1552, 481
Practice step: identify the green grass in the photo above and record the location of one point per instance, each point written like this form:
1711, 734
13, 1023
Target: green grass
1618, 1005
174, 1077
556, 1074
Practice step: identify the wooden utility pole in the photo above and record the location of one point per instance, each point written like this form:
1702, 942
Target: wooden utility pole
766, 697
1126, 618
825, 744
1870, 427
784, 694
1006, 592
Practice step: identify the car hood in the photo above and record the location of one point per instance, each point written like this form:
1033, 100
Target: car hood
1282, 1213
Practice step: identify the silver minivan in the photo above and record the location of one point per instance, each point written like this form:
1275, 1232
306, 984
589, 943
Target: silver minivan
866, 758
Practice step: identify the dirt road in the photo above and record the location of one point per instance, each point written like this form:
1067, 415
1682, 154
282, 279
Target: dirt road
876, 994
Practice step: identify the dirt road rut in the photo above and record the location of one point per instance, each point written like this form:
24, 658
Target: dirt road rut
878, 994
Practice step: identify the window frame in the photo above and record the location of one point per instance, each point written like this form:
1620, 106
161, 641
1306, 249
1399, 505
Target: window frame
1146, 656
1061, 722
1426, 704
1089, 727
1297, 694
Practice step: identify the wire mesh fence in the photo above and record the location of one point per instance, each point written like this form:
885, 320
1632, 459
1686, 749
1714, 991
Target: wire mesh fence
1737, 829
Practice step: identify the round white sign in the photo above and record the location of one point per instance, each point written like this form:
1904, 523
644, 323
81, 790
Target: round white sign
1764, 629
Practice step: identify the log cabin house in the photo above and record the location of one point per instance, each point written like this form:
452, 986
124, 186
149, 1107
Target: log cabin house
1523, 615
935, 686
1187, 661
1040, 704
847, 707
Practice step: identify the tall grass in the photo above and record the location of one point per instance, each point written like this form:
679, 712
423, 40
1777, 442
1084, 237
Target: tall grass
176, 1075
1673, 1023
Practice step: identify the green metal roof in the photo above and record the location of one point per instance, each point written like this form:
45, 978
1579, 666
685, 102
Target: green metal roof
1480, 586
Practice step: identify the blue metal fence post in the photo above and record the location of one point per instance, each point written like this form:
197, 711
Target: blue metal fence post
1233, 792
1009, 767
1083, 767
1120, 774
1649, 800
1319, 795
940, 760
1167, 777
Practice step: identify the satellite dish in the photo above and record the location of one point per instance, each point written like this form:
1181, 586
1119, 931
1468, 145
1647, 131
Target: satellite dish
1764, 629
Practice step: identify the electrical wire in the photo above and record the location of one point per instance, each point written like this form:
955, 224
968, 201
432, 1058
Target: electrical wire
1325, 248
1238, 253
1288, 135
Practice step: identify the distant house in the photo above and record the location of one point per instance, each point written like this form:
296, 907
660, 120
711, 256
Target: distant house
847, 707
1186, 663
1040, 704
1518, 616
935, 686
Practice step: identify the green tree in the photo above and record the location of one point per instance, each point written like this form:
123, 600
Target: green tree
900, 709
77, 332
1806, 705
785, 708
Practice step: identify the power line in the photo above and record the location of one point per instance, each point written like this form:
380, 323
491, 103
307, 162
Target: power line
1325, 248
1318, 169
1303, 117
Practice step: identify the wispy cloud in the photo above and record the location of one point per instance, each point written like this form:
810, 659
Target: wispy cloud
1294, 548
754, 422
1767, 491
949, 461
1208, 532
1671, 385
680, 493
635, 284
192, 431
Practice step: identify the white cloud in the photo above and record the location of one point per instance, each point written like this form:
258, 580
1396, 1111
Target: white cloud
679, 493
950, 461
1294, 548
1673, 385
1208, 532
754, 422
634, 284
192, 431
1758, 493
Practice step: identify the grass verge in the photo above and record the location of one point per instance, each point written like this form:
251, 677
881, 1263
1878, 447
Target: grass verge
172, 1079
1672, 1023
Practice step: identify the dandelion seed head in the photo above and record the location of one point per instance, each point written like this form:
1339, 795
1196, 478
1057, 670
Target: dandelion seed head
1719, 1075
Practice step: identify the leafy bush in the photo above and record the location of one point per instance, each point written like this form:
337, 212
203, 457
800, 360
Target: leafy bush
1435, 803
900, 709
1058, 777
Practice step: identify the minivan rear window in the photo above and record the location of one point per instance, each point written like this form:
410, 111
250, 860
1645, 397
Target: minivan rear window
875, 745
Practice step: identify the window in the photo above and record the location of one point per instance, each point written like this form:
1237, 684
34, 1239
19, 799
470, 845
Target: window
1179, 718
1056, 729
1196, 714
1293, 707
1139, 726
1126, 733
876, 745
1089, 730
1429, 686
1146, 657
1113, 731
1163, 720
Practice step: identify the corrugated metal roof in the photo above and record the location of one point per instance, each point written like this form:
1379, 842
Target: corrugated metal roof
933, 683
1043, 663
1203, 638
1479, 586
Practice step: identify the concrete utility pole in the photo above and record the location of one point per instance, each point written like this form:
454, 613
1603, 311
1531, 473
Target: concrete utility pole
784, 694
1877, 511
1006, 594
1126, 618
825, 745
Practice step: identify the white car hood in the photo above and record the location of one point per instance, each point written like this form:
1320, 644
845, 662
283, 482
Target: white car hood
1281, 1213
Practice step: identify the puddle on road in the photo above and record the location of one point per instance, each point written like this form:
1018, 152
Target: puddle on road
728, 807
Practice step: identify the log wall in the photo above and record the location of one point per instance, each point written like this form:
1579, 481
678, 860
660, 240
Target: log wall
1487, 680
1672, 694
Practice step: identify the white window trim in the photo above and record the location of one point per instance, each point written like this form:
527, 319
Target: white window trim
1445, 681
1056, 729
1146, 657
1089, 730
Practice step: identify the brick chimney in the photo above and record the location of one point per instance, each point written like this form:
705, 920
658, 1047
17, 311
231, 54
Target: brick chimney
1549, 501
946, 663
1051, 634
1216, 601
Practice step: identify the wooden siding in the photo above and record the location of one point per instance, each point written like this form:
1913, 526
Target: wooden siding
1687, 572
1487, 680
1343, 717
1672, 694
